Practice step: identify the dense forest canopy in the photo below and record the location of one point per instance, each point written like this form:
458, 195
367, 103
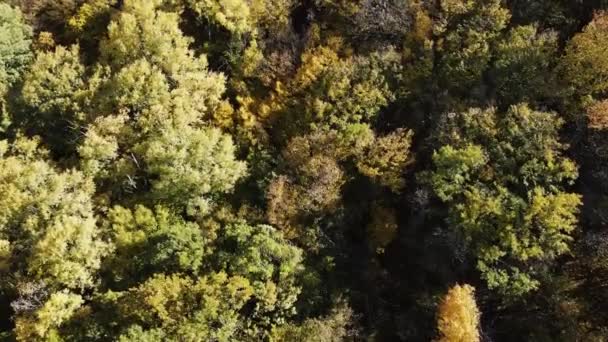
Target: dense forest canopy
303, 170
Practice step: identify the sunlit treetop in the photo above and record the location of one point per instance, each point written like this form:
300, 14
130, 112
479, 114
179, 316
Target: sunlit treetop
585, 63
47, 218
458, 315
504, 179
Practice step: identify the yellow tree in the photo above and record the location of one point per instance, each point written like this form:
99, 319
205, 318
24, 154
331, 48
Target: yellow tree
458, 316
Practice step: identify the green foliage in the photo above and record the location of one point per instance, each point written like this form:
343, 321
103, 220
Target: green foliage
151, 132
523, 65
141, 31
454, 169
242, 17
189, 164
47, 218
468, 28
43, 324
15, 41
60, 97
584, 63
56, 83
179, 308
146, 47
88, 12
506, 196
233, 15
270, 263
152, 241
184, 165
143, 222
334, 327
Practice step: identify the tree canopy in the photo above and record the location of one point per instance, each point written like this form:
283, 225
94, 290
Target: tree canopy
303, 170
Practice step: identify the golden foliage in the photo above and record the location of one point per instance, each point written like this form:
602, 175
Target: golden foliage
387, 158
458, 316
597, 114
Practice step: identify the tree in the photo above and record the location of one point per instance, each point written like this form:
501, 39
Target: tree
336, 326
152, 241
139, 30
191, 163
467, 30
47, 218
180, 308
503, 180
87, 14
60, 93
597, 113
458, 316
15, 42
379, 20
56, 84
43, 324
233, 15
15, 54
383, 227
315, 189
584, 63
270, 263
386, 159
155, 110
50, 15
328, 91
145, 47
523, 65
183, 165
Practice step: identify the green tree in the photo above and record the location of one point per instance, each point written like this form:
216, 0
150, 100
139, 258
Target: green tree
152, 241
150, 56
233, 15
191, 163
523, 65
15, 54
185, 165
47, 218
56, 83
60, 97
155, 110
584, 63
88, 13
270, 263
15, 42
242, 17
43, 324
140, 30
503, 179
467, 31
179, 308
336, 326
